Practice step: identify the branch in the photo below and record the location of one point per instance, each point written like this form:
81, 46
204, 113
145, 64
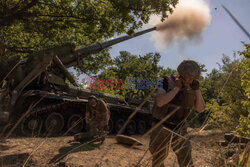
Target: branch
75, 17
19, 49
17, 14
28, 6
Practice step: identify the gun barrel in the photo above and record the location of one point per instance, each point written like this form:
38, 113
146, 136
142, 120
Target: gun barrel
94, 48
236, 21
99, 46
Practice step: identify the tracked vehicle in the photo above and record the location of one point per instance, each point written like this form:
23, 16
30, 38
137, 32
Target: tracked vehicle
35, 96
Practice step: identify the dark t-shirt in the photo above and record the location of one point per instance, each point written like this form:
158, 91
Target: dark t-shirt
167, 88
180, 114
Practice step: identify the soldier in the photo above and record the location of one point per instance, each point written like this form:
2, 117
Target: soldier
183, 91
96, 118
97, 115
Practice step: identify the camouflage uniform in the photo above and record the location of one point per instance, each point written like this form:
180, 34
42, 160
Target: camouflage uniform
161, 139
99, 116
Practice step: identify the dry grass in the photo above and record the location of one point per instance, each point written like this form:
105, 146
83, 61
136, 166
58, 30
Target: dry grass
108, 154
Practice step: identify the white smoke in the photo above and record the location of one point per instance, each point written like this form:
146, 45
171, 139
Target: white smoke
184, 25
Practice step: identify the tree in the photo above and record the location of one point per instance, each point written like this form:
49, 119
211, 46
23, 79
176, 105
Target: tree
209, 85
168, 72
230, 84
138, 74
244, 68
31, 25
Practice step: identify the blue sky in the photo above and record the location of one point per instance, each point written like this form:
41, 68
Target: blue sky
222, 36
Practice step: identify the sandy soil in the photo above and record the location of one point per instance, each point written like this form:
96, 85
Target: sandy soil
58, 152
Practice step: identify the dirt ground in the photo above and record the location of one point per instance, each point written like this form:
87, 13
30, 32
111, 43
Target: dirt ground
58, 152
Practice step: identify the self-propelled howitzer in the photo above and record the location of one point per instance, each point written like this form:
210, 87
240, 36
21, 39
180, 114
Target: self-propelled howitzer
34, 93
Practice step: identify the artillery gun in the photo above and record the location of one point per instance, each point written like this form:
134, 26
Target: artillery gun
35, 96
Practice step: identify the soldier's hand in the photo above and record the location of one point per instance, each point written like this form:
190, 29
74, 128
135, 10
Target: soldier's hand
178, 82
195, 85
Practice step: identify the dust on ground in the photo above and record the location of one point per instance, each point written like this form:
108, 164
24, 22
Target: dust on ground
58, 152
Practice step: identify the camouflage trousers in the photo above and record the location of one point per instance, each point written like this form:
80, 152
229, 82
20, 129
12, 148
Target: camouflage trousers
162, 139
100, 125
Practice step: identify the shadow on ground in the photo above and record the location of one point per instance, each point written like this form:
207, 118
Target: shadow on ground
15, 160
73, 148
129, 146
3, 145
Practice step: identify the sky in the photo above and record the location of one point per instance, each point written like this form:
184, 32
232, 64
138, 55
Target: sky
221, 36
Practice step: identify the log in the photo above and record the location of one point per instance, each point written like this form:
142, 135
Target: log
233, 138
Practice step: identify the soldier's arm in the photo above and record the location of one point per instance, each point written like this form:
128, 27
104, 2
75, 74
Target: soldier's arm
102, 106
163, 97
106, 111
199, 105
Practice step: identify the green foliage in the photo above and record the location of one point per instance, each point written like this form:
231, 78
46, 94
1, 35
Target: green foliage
244, 69
226, 92
168, 72
126, 67
32, 25
244, 126
209, 85
220, 116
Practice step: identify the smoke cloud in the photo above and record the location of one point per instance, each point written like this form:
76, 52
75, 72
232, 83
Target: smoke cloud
184, 25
